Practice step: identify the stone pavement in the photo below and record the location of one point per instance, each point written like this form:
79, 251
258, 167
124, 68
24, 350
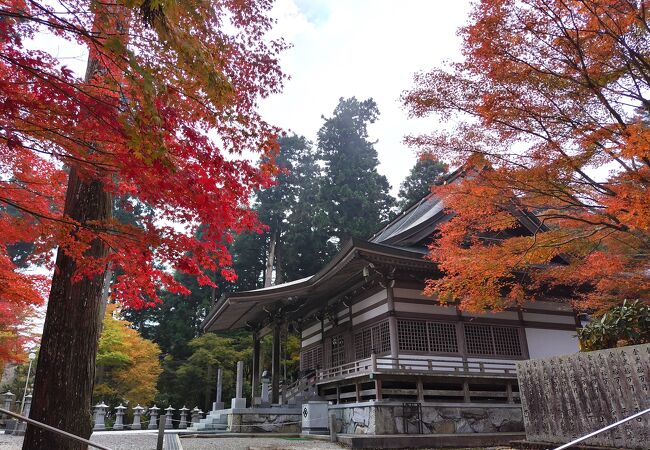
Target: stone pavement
261, 443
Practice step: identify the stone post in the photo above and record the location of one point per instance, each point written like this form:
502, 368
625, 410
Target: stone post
22, 426
153, 418
183, 423
119, 417
137, 412
218, 404
265, 388
100, 416
239, 401
169, 417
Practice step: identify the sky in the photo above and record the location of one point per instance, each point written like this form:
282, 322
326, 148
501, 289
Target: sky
362, 48
345, 48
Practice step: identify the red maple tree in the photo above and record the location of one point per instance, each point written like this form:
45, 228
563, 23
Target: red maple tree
165, 116
551, 106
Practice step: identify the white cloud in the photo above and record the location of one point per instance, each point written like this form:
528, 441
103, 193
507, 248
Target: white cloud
362, 48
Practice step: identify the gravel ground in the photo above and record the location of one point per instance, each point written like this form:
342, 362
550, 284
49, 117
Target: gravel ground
254, 443
9, 442
115, 442
148, 442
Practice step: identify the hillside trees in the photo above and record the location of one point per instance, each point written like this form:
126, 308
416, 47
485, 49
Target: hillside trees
354, 196
551, 106
160, 76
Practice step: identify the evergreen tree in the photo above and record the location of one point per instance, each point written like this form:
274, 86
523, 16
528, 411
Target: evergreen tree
354, 196
418, 182
296, 242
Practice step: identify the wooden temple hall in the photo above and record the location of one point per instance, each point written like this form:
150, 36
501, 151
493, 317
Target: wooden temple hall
368, 333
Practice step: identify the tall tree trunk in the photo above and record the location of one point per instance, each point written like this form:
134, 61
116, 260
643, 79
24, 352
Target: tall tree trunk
270, 260
66, 362
279, 262
65, 373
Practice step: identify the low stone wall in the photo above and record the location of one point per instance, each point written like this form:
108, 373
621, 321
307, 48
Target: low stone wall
567, 397
261, 420
386, 417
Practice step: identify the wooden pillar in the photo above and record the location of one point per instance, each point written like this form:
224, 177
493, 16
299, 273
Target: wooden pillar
275, 366
255, 376
466, 396
509, 392
420, 390
338, 395
392, 320
377, 389
358, 391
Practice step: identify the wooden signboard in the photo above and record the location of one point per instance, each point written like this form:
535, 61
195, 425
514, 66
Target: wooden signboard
567, 397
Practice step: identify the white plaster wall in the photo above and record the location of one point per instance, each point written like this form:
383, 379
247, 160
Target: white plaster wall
426, 308
311, 329
311, 340
505, 315
549, 318
375, 298
370, 314
543, 343
412, 293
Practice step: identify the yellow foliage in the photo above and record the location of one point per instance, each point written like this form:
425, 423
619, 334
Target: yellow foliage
128, 365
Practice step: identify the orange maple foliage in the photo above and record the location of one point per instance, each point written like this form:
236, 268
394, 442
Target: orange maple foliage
551, 103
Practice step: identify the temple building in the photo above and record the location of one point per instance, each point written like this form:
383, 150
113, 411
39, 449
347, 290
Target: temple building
388, 359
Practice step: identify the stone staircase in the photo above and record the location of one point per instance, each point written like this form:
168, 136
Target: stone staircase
215, 421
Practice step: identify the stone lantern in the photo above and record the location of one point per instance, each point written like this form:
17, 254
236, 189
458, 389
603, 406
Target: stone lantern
153, 418
100, 416
183, 423
137, 413
169, 416
119, 417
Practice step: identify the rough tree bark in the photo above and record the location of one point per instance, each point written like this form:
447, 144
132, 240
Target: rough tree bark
65, 373
66, 363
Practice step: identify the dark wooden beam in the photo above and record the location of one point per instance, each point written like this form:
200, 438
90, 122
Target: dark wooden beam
255, 382
275, 368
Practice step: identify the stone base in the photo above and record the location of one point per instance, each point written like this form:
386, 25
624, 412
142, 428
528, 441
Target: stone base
315, 417
238, 403
387, 417
10, 426
216, 406
259, 420
473, 440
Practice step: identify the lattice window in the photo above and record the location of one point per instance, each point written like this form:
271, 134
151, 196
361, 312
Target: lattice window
311, 358
412, 335
381, 338
491, 340
478, 339
376, 337
506, 341
442, 337
338, 350
362, 344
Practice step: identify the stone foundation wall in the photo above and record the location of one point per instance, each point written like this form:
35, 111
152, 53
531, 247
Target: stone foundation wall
387, 417
263, 421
